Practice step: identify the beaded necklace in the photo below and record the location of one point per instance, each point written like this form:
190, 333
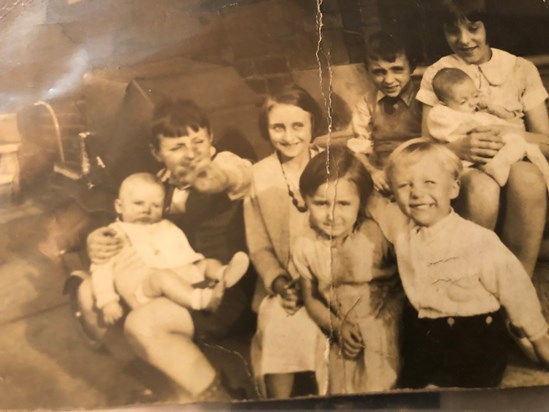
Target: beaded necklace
295, 200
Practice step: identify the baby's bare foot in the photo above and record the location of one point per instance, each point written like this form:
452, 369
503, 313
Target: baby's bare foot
236, 268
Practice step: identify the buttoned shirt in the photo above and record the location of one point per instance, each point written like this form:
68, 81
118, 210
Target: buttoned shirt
458, 268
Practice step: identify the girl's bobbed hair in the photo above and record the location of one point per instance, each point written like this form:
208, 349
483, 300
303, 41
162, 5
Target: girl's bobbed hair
450, 12
294, 95
337, 162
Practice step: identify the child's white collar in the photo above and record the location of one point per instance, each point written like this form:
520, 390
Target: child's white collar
438, 227
407, 94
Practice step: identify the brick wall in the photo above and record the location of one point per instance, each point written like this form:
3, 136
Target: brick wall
269, 40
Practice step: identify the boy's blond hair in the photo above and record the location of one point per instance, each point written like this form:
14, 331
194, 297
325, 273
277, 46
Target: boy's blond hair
411, 151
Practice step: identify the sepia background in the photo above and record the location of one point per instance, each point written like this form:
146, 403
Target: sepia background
78, 81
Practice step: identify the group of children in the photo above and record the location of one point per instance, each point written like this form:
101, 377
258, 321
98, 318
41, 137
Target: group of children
448, 327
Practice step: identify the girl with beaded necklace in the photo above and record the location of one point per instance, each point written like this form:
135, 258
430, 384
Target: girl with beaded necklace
275, 215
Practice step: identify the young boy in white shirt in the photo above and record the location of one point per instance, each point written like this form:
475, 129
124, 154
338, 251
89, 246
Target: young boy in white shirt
456, 275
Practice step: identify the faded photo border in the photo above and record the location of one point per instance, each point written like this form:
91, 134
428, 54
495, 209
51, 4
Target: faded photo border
81, 84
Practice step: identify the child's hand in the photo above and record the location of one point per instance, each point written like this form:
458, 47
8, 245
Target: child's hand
103, 244
287, 290
211, 179
541, 346
112, 311
350, 339
291, 300
479, 145
380, 182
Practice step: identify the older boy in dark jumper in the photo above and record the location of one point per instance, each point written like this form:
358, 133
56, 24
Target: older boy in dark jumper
389, 114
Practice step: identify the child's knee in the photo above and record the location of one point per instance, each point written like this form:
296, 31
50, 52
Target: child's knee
479, 198
526, 181
143, 325
138, 328
141, 332
479, 185
481, 191
157, 282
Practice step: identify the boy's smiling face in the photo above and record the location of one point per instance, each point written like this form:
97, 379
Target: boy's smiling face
390, 77
424, 190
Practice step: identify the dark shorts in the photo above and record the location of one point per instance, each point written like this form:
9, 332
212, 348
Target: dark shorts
453, 351
234, 317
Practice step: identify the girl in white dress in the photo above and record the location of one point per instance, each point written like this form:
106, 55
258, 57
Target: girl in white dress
283, 353
348, 276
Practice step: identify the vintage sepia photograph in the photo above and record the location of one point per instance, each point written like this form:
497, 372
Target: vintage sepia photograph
274, 204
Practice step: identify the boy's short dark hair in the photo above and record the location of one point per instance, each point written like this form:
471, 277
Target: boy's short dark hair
293, 95
447, 78
334, 163
386, 46
172, 118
